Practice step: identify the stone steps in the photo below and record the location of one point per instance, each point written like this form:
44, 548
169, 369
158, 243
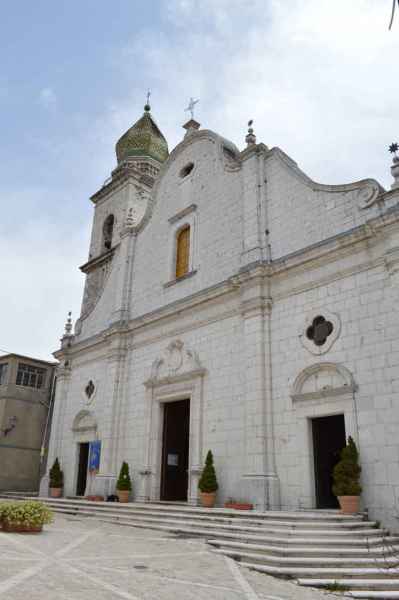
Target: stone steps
312, 561
310, 517
293, 537
370, 594
225, 530
354, 584
318, 548
326, 573
328, 553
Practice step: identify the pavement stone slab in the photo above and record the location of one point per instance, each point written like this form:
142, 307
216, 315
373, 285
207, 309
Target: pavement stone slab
86, 559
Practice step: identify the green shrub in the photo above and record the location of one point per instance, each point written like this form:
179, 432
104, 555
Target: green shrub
347, 471
56, 475
124, 482
27, 512
208, 482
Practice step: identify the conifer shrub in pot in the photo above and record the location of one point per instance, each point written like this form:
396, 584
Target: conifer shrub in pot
56, 480
27, 516
346, 475
208, 484
124, 484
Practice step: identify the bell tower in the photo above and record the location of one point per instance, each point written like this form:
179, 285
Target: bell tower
120, 206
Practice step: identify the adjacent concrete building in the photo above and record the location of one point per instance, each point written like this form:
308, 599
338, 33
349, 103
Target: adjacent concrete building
231, 303
26, 386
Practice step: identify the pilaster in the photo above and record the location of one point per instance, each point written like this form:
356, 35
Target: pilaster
254, 204
260, 474
112, 411
56, 434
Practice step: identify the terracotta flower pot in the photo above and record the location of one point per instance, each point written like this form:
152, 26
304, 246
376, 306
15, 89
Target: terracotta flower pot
349, 504
18, 528
208, 499
239, 505
55, 492
123, 495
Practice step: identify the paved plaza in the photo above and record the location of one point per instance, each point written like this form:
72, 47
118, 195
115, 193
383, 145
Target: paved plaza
85, 559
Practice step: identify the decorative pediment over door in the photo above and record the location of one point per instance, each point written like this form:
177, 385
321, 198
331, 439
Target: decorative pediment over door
177, 363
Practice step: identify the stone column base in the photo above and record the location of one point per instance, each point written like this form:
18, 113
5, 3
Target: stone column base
263, 490
44, 486
142, 493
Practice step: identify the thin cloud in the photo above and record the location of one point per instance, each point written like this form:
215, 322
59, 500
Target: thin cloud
316, 76
48, 98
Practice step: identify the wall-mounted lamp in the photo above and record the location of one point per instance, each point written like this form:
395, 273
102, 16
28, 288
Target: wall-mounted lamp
12, 421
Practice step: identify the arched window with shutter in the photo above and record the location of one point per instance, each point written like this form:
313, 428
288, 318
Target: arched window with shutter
183, 252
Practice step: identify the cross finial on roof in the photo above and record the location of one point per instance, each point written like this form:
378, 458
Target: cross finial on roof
191, 106
147, 106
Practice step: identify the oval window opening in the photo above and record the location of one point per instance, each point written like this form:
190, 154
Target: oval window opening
186, 170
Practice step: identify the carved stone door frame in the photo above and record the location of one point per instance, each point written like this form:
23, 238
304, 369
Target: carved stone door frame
176, 375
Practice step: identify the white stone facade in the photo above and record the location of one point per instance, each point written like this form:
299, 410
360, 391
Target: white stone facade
270, 251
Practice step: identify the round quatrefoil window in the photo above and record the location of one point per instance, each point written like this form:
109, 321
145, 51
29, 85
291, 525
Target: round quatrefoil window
320, 332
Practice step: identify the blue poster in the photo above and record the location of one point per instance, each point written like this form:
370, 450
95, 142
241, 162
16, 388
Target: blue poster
94, 455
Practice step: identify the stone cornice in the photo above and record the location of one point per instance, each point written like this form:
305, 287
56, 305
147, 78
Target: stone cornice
320, 251
153, 382
391, 259
327, 393
120, 177
312, 257
93, 263
183, 213
257, 305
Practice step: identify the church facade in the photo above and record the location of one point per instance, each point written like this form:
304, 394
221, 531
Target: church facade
233, 304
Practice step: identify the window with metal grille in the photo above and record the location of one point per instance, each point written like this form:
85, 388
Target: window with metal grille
3, 373
30, 376
183, 252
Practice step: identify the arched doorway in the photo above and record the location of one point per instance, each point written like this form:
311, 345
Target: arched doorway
85, 431
323, 397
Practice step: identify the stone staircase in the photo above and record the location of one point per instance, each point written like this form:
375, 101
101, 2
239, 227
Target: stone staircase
317, 548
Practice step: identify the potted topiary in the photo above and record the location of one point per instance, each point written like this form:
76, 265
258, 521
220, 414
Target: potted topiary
208, 484
24, 517
56, 480
346, 475
124, 484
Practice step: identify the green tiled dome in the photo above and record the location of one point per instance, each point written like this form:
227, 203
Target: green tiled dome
143, 139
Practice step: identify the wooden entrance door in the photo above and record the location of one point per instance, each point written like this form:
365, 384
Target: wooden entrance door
176, 431
82, 469
328, 440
